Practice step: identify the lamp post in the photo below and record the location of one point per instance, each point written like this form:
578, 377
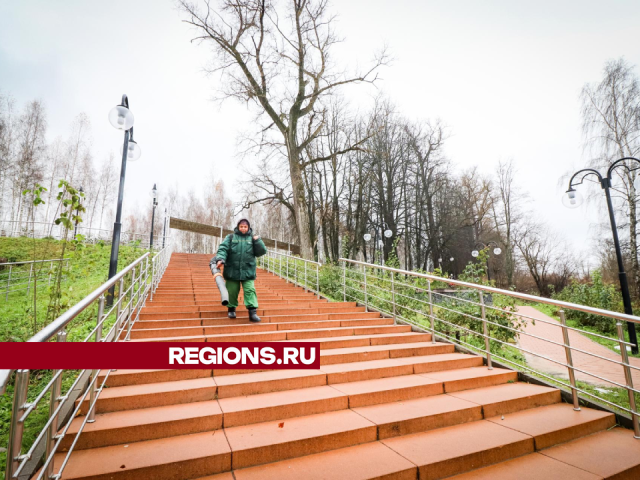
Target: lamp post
154, 195
573, 199
75, 228
378, 243
496, 251
164, 228
121, 118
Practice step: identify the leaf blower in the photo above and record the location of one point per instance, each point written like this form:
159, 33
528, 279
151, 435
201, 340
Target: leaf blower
217, 275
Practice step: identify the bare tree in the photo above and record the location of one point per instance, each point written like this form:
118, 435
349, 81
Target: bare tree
28, 168
280, 61
507, 212
540, 250
611, 128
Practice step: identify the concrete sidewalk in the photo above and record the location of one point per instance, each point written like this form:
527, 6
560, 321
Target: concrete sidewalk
588, 363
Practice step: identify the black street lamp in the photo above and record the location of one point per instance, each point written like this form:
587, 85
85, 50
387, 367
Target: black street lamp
573, 199
121, 118
75, 228
154, 195
496, 250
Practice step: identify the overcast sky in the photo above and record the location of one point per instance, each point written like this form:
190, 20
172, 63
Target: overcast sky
505, 77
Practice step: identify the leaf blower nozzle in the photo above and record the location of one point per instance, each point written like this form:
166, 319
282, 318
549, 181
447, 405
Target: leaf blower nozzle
217, 275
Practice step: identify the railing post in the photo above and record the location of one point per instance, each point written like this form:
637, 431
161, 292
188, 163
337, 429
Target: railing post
287, 270
50, 270
95, 372
29, 281
629, 379
306, 284
393, 295
485, 331
130, 310
119, 309
344, 281
318, 281
16, 427
366, 298
433, 323
567, 351
153, 277
53, 405
8, 283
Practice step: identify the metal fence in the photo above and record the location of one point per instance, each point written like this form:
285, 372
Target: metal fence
491, 330
481, 318
301, 272
133, 285
10, 228
19, 276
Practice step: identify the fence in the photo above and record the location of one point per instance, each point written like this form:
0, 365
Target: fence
491, 330
9, 228
301, 272
18, 276
132, 286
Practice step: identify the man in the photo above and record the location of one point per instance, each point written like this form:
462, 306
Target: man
238, 253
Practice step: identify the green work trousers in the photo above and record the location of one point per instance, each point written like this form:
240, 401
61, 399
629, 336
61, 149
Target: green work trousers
250, 297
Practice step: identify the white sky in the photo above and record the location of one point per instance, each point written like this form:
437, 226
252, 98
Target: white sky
504, 75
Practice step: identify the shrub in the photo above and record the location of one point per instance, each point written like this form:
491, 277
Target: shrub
594, 294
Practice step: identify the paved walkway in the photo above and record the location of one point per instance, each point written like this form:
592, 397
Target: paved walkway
588, 363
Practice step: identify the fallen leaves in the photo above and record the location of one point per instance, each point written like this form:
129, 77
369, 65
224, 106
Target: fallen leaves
281, 425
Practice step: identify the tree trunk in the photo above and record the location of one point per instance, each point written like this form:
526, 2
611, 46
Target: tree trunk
300, 202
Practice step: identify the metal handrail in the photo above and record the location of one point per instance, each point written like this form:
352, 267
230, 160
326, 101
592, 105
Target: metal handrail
144, 279
510, 293
486, 334
268, 262
36, 261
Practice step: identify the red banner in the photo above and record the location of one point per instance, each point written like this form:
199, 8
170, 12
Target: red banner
160, 355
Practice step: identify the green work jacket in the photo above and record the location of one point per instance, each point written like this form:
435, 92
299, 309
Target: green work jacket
239, 252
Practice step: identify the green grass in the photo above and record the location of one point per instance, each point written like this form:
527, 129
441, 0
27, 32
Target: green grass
88, 269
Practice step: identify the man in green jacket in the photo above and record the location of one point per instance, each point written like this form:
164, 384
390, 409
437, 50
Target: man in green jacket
238, 253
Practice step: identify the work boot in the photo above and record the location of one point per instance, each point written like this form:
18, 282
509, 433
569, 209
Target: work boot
232, 312
253, 316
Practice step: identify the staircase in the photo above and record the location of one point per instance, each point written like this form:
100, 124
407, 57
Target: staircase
386, 403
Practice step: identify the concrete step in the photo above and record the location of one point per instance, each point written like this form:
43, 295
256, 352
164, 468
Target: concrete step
367, 461
268, 442
452, 450
328, 357
557, 423
510, 397
528, 467
211, 334
610, 454
428, 413
129, 426
174, 458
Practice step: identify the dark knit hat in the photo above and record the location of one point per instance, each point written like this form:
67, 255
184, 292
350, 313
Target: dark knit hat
243, 220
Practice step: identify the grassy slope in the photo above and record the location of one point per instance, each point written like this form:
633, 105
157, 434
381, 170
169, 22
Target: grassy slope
88, 270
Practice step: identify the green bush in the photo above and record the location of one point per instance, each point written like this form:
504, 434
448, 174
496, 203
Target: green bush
501, 322
594, 294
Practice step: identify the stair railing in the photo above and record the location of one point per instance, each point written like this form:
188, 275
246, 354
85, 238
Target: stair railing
135, 283
492, 331
300, 272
